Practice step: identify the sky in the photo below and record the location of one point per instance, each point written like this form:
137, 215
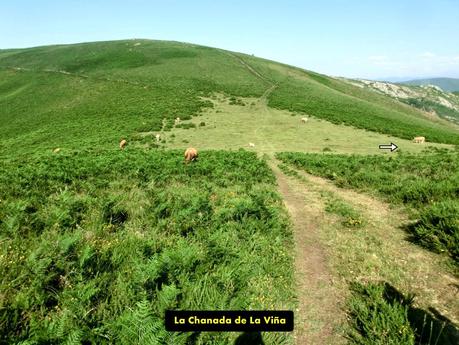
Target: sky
375, 39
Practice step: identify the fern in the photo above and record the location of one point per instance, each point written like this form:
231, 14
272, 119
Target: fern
74, 337
27, 342
64, 323
141, 327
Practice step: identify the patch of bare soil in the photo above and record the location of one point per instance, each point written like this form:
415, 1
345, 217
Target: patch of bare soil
320, 314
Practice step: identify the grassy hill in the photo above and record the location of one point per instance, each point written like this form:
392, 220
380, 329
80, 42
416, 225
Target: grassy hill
96, 243
447, 84
57, 95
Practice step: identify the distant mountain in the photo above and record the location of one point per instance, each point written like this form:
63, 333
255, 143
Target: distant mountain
446, 84
430, 98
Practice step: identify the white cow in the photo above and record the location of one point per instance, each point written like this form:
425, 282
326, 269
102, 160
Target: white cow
304, 119
419, 140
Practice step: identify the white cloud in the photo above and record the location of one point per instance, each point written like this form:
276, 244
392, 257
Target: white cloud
382, 61
377, 58
427, 55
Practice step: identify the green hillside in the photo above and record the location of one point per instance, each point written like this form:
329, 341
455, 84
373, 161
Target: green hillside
57, 95
447, 84
339, 102
96, 243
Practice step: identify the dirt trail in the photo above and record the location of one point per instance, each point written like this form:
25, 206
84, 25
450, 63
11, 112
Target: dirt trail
247, 66
328, 256
319, 313
406, 265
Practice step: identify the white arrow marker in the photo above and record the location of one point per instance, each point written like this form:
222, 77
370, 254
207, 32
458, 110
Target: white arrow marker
392, 147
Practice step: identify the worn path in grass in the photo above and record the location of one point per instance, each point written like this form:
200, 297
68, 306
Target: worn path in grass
380, 250
320, 314
328, 256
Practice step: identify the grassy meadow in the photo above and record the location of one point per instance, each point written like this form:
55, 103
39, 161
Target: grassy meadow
232, 126
92, 95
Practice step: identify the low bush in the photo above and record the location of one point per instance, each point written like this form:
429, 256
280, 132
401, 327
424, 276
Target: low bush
438, 228
380, 314
185, 125
375, 320
350, 217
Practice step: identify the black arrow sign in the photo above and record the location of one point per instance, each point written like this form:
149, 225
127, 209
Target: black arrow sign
392, 147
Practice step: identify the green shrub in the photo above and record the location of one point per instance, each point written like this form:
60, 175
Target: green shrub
185, 125
380, 314
438, 228
235, 101
377, 321
350, 217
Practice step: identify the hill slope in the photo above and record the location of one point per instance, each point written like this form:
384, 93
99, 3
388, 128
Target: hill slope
447, 84
56, 95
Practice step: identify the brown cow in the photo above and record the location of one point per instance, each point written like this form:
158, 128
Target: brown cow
190, 154
123, 144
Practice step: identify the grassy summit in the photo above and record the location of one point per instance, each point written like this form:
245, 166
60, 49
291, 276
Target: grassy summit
92, 94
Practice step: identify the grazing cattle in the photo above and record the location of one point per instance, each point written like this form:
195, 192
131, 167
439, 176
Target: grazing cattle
158, 137
190, 154
251, 144
56, 150
123, 144
304, 119
177, 120
419, 140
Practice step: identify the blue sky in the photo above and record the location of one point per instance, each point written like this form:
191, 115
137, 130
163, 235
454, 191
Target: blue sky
366, 38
